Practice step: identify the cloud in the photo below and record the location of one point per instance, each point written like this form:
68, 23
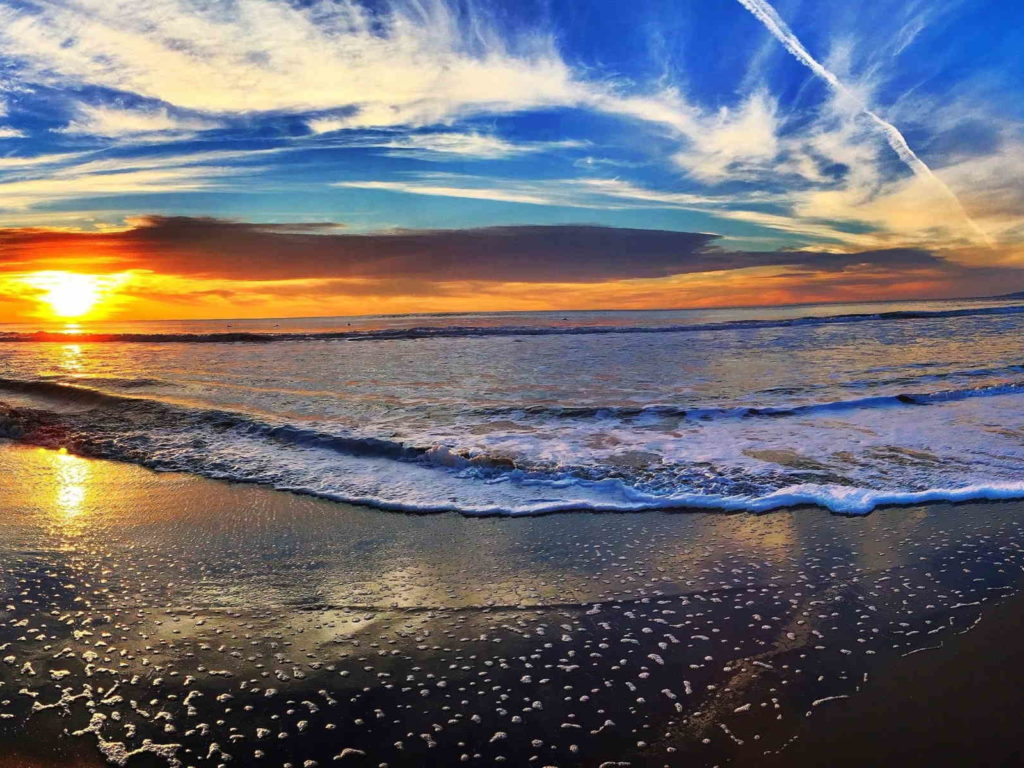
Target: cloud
93, 120
412, 62
766, 14
914, 210
402, 77
58, 180
587, 192
24, 194
732, 141
214, 248
619, 194
408, 63
11, 133
204, 267
471, 145
13, 163
32, 181
509, 192
442, 146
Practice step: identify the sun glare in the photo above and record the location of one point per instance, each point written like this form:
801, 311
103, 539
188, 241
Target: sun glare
69, 294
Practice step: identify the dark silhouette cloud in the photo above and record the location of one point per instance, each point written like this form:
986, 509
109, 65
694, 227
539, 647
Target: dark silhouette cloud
217, 248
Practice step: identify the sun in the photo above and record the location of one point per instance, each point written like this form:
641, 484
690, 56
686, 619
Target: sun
69, 295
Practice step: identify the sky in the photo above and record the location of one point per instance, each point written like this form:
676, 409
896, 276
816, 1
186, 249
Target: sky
276, 158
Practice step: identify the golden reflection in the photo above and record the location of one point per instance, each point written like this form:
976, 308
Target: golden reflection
774, 535
65, 360
72, 475
70, 358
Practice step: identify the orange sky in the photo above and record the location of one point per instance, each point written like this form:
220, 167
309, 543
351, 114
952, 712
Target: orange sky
179, 268
141, 295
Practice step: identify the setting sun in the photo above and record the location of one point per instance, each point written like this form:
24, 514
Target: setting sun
69, 294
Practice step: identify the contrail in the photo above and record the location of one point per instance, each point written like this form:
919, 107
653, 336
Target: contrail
767, 15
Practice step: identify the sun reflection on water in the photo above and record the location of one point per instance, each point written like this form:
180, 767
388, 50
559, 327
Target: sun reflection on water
70, 358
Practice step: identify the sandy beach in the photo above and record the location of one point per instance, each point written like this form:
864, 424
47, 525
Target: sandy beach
163, 619
511, 383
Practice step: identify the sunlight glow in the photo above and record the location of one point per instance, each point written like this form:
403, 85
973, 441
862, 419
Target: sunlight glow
70, 294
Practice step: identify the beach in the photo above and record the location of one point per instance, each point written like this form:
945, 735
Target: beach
526, 383
164, 619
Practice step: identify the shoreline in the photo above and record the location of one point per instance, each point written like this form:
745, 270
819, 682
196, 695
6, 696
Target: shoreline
351, 628
955, 496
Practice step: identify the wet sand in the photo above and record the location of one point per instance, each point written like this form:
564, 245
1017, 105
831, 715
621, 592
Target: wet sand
958, 705
161, 619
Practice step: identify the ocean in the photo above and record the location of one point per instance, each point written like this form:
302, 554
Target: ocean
847, 407
161, 618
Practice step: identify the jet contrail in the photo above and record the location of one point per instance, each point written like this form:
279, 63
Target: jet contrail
767, 15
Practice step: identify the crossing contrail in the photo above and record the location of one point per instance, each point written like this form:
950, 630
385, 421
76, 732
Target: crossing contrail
767, 15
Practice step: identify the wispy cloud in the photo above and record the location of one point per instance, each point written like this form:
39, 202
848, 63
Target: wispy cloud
730, 142
93, 120
619, 194
496, 194
595, 193
31, 181
25, 194
415, 62
20, 162
767, 15
408, 63
483, 146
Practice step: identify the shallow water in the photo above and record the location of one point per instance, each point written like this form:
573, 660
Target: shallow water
207, 624
846, 406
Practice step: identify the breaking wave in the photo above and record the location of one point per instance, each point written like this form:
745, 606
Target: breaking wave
435, 474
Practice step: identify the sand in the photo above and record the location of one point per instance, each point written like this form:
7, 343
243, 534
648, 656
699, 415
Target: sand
162, 619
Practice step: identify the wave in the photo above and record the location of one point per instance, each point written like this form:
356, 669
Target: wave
78, 394
394, 475
748, 412
115, 382
837, 500
22, 423
430, 332
67, 393
95, 432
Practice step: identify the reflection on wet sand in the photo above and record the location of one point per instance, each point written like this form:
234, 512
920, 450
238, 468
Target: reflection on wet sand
72, 481
192, 623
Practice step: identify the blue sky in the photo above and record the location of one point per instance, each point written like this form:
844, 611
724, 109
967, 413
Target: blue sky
825, 125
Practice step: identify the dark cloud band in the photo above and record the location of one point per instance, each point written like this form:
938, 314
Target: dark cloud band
217, 248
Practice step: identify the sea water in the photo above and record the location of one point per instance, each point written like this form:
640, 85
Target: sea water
843, 406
